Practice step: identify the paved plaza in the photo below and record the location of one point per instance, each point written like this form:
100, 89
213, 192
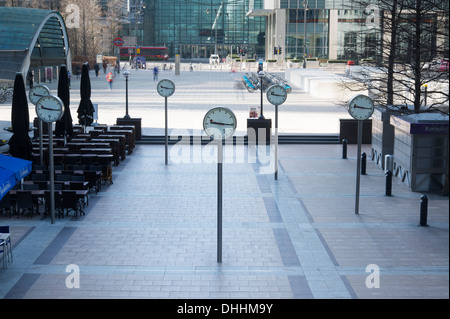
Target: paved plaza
153, 232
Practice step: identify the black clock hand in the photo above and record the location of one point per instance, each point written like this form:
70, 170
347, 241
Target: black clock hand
276, 94
47, 108
218, 123
34, 94
360, 107
163, 87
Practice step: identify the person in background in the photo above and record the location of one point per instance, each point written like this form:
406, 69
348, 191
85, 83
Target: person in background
110, 79
30, 77
97, 69
155, 73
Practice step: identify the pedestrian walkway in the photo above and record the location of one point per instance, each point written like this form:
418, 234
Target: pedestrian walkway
153, 233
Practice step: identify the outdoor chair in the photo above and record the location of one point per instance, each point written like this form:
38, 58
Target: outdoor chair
70, 203
5, 229
58, 204
6, 204
62, 177
24, 202
3, 250
77, 178
38, 177
94, 182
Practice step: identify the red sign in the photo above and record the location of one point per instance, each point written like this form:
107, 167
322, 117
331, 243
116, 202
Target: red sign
118, 42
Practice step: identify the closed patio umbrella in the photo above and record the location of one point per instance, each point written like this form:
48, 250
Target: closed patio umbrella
20, 145
85, 109
64, 127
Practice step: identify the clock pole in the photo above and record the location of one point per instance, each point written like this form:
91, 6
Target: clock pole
166, 132
358, 165
276, 142
52, 173
219, 198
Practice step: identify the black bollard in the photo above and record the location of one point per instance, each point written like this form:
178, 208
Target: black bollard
388, 183
344, 148
423, 210
363, 163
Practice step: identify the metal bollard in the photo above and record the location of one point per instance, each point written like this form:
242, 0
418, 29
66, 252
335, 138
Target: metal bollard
363, 163
388, 183
389, 163
423, 211
344, 148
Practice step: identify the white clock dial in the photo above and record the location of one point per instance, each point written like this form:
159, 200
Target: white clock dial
50, 108
165, 88
276, 95
360, 107
38, 91
220, 122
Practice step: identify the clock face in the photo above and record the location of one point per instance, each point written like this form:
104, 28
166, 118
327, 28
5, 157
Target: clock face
50, 108
361, 107
276, 95
219, 122
165, 88
38, 91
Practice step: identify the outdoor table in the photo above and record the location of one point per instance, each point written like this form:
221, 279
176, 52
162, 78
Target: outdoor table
96, 151
122, 143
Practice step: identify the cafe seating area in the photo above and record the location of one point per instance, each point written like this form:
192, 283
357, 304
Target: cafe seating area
82, 165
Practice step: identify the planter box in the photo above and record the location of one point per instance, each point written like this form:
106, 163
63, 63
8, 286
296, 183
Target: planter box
382, 136
259, 131
136, 122
349, 131
421, 150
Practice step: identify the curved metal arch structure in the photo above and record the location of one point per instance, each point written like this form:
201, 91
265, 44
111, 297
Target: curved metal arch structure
31, 38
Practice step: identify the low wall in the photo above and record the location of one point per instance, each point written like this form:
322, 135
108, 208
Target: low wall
322, 84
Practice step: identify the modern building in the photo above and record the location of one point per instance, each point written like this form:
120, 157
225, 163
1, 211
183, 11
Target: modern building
328, 29
333, 29
32, 39
197, 29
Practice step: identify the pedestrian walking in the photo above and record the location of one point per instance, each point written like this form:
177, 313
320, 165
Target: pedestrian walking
97, 69
69, 76
155, 73
30, 78
110, 79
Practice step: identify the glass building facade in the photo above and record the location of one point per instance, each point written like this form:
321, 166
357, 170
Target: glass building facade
335, 29
199, 28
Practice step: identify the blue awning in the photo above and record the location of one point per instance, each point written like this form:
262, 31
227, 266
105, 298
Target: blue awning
19, 167
7, 181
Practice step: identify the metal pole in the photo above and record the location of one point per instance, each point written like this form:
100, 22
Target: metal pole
358, 169
219, 199
41, 146
276, 142
305, 9
344, 148
126, 98
52, 173
388, 183
423, 211
261, 116
166, 132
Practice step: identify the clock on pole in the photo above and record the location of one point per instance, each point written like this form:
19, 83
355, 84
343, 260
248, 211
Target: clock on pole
276, 95
360, 107
219, 123
50, 109
166, 88
38, 91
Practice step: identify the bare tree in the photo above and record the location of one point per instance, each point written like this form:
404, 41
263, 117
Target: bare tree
84, 38
414, 32
113, 24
